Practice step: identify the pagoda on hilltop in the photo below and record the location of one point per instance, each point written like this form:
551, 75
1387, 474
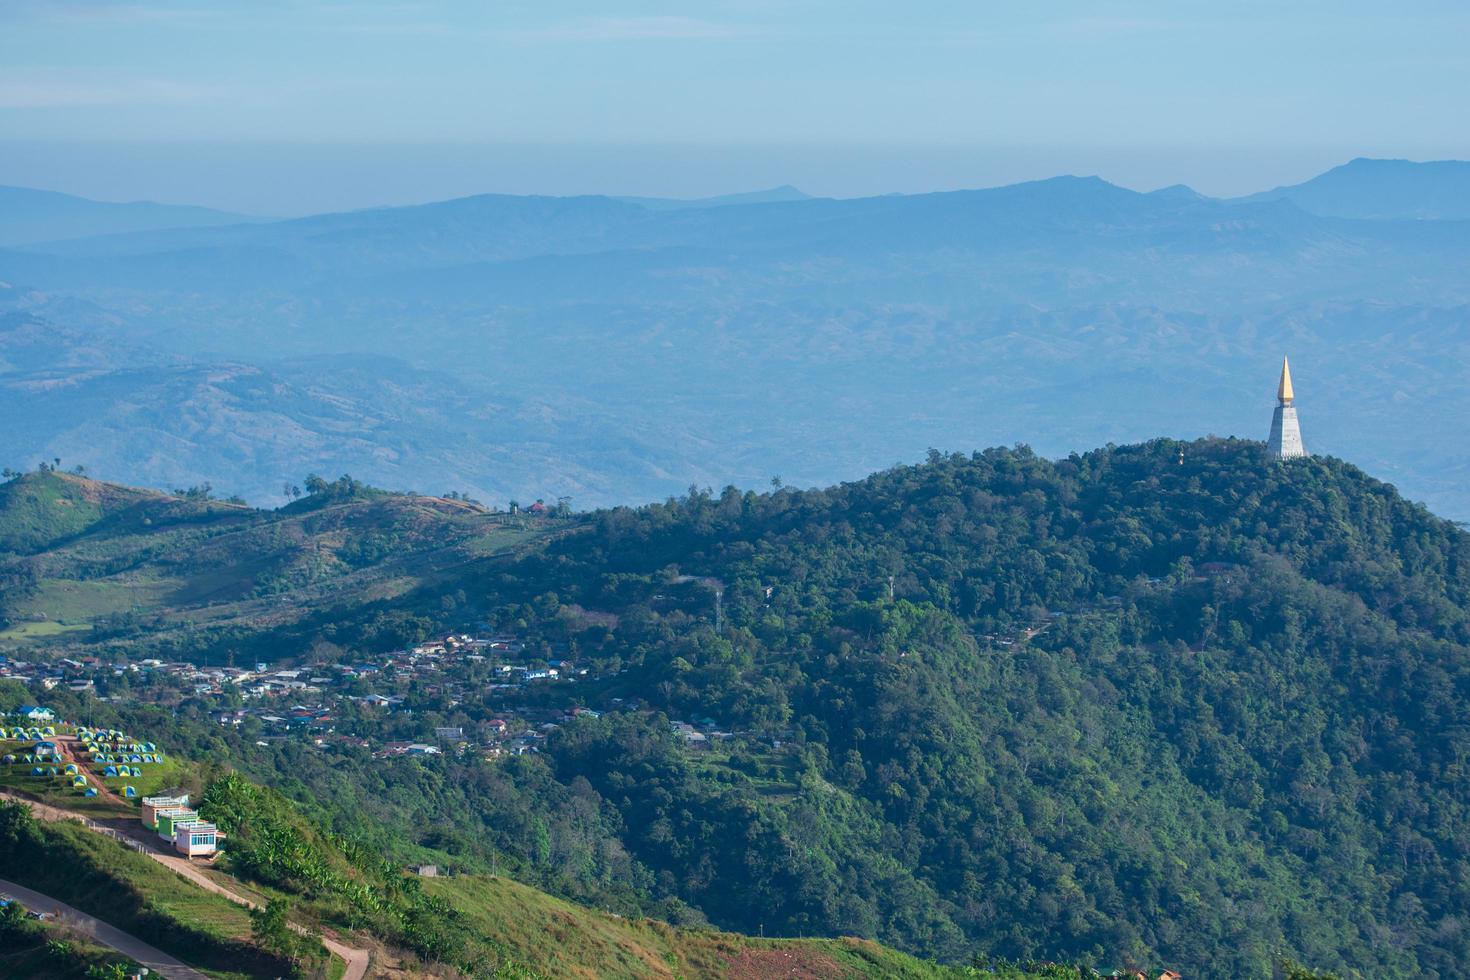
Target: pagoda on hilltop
1285, 441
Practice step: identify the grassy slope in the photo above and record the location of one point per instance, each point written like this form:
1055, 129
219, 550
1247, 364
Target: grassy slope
140, 896
566, 940
40, 509
82, 551
27, 957
57, 790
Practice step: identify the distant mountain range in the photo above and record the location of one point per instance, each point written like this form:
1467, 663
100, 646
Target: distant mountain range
1383, 189
783, 193
28, 216
620, 350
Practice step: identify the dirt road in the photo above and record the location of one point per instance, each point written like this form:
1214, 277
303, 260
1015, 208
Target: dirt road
154, 959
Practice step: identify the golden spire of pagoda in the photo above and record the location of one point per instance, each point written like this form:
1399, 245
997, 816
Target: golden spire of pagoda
1283, 390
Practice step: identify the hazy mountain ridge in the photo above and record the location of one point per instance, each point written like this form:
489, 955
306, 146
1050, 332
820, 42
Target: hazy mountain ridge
29, 216
814, 339
1383, 189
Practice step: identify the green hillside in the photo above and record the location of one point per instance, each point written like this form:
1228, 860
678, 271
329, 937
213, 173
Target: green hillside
276, 854
1170, 701
185, 574
126, 889
566, 940
1175, 703
40, 509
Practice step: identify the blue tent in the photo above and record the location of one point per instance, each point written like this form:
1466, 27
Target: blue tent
37, 771
129, 792
91, 791
110, 771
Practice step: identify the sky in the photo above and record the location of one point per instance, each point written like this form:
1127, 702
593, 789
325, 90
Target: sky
279, 107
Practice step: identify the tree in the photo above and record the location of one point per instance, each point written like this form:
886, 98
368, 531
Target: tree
268, 924
271, 930
12, 918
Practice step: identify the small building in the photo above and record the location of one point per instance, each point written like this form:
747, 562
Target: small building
169, 817
152, 804
196, 838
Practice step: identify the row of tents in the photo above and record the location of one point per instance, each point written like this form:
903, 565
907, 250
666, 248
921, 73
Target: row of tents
31, 733
73, 775
109, 746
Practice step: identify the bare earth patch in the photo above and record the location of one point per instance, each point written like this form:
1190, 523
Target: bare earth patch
802, 964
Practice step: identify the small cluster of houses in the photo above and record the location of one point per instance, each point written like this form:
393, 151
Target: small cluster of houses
46, 675
425, 665
701, 732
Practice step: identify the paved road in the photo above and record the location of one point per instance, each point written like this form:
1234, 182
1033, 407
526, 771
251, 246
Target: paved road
154, 959
357, 960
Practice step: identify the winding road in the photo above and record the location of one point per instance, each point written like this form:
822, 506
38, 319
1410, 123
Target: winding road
155, 960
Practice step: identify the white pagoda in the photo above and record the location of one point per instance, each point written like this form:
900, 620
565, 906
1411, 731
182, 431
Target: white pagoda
1285, 441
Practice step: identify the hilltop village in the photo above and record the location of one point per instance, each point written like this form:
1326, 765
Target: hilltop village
462, 694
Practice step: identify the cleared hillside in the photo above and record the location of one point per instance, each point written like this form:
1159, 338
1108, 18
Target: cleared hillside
94, 562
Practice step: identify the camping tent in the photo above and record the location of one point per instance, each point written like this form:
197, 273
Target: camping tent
109, 772
91, 791
129, 792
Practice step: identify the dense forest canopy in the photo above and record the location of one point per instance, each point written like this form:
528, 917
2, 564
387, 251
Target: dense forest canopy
1173, 699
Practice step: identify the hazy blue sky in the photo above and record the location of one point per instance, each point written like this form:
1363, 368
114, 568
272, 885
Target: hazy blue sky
282, 106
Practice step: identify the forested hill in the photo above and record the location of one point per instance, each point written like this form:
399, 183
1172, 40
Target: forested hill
1175, 703
1175, 700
